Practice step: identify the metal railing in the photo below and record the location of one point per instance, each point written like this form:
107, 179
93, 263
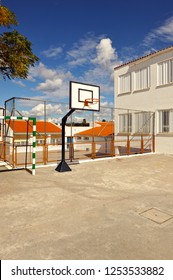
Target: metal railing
21, 155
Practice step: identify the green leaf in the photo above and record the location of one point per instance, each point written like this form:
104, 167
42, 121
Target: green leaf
16, 55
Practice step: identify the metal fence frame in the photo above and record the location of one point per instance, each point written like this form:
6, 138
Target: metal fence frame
116, 144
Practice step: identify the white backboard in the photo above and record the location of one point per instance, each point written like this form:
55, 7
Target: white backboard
79, 92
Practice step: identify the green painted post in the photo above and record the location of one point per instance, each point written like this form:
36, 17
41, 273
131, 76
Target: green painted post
33, 134
33, 145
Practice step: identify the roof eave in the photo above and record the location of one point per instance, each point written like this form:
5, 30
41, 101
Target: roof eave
144, 58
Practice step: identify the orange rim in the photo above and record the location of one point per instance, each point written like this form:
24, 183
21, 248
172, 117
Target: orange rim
93, 101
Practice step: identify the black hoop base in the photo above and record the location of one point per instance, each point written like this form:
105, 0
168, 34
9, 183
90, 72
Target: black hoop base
63, 167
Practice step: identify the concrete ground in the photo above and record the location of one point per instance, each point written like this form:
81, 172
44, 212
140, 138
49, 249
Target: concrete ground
119, 208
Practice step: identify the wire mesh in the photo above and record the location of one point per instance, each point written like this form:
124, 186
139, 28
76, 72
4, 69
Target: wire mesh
88, 134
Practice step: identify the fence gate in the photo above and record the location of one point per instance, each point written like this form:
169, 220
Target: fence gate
7, 147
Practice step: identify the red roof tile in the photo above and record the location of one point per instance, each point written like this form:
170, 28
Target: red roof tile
104, 129
20, 126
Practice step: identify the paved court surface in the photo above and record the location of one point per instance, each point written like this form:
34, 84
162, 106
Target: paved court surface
120, 208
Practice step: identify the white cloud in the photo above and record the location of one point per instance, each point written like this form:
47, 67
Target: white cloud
57, 120
25, 113
163, 33
98, 58
52, 82
54, 109
30, 78
20, 83
50, 85
55, 112
105, 112
99, 76
83, 51
78, 61
106, 54
42, 72
93, 51
52, 52
106, 104
90, 60
38, 110
101, 70
51, 109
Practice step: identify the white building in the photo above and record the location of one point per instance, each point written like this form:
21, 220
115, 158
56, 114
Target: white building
146, 84
70, 132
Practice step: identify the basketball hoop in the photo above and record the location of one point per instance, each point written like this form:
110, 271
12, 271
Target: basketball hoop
90, 101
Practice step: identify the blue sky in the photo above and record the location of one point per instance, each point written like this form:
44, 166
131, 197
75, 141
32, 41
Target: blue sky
83, 41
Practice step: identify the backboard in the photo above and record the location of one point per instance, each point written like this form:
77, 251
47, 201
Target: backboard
84, 96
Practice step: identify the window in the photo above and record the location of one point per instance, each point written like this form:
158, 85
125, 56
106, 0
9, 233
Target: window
142, 79
125, 123
125, 83
143, 122
21, 143
79, 138
165, 72
54, 141
86, 138
164, 119
40, 142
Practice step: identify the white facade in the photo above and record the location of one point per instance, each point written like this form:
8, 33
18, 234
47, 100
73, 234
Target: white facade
146, 84
70, 131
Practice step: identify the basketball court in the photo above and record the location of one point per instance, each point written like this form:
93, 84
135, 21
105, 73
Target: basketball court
116, 208
119, 208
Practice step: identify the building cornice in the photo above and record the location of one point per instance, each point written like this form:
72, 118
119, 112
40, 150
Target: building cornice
145, 57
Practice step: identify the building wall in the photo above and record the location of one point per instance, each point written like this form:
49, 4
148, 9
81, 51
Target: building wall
154, 98
71, 131
164, 144
102, 144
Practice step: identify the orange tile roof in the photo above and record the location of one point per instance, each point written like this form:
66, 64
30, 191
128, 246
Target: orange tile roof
104, 129
20, 126
145, 56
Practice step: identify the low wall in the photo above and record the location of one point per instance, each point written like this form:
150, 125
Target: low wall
164, 144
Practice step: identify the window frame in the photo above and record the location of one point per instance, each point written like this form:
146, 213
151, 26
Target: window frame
124, 85
165, 74
139, 83
125, 123
142, 118
164, 128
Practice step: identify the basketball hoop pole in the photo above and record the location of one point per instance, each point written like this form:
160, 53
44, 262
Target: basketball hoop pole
63, 166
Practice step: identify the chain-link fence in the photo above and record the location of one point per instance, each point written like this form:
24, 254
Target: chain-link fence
88, 134
134, 131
